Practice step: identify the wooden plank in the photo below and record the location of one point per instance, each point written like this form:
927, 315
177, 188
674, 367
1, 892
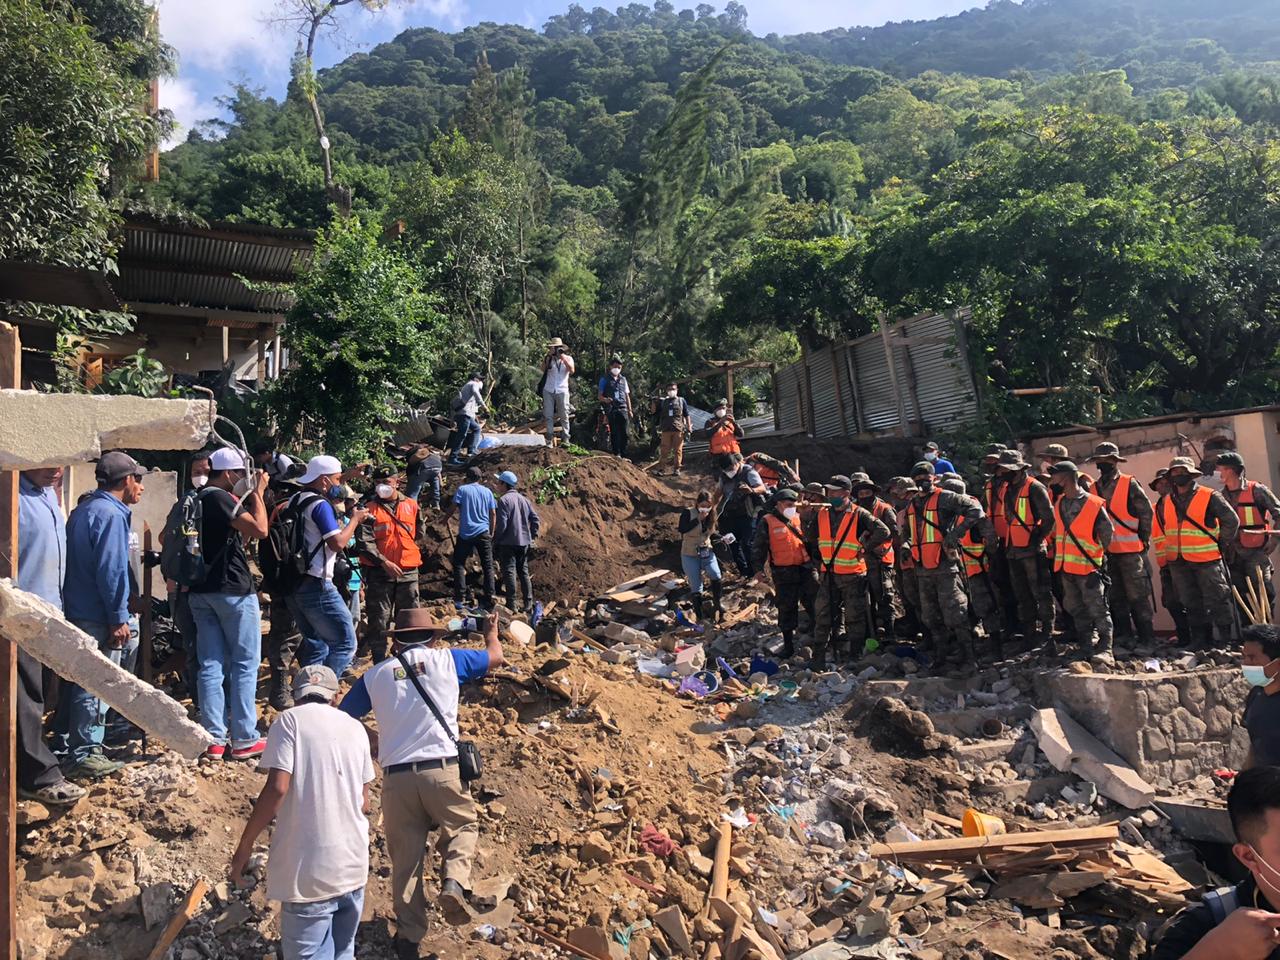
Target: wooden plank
631, 585
586, 638
554, 940
943, 820
10, 377
190, 907
967, 847
144, 618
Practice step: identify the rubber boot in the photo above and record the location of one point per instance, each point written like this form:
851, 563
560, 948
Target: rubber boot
1102, 650
717, 591
1146, 634
788, 644
1181, 626
278, 694
696, 600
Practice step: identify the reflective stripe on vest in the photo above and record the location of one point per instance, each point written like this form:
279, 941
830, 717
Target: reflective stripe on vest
889, 517
995, 507
1125, 539
1159, 541
1020, 522
849, 559
974, 553
1251, 518
786, 549
393, 533
724, 441
1184, 540
1067, 555
926, 538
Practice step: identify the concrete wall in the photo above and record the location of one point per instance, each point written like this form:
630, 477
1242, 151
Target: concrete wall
1171, 727
1150, 446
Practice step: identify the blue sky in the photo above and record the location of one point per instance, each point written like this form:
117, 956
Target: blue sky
221, 42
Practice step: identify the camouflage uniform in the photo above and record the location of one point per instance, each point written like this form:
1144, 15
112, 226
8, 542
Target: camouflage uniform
944, 608
833, 589
880, 576
1203, 587
1245, 562
1029, 565
1085, 597
1130, 573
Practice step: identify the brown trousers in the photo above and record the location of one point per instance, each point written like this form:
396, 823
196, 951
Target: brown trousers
414, 804
672, 443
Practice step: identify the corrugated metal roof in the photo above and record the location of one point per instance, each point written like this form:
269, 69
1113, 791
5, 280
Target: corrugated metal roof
202, 266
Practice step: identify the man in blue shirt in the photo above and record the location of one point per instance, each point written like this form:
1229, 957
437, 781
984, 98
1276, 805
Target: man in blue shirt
322, 616
422, 789
941, 465
42, 561
615, 397
477, 510
97, 592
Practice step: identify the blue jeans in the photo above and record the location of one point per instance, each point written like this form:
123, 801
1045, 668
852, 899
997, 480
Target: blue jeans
466, 434
80, 721
229, 645
419, 477
696, 567
322, 930
324, 620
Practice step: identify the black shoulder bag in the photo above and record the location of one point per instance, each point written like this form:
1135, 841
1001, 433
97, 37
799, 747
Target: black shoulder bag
470, 764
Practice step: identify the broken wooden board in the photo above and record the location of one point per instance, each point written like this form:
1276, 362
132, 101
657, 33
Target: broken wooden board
190, 907
1041, 891
1073, 749
631, 589
967, 848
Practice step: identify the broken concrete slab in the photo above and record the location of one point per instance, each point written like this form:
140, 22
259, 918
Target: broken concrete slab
55, 429
1071, 748
38, 627
984, 751
1197, 820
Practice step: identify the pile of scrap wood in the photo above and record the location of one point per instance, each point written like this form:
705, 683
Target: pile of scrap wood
1043, 869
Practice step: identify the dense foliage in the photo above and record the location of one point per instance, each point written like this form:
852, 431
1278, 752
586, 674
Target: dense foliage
1098, 181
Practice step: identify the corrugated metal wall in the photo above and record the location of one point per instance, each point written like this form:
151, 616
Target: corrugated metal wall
932, 376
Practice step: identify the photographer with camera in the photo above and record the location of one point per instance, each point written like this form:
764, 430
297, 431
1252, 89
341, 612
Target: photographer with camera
557, 369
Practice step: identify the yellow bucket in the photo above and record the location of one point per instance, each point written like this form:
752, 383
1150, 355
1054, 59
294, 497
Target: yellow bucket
976, 824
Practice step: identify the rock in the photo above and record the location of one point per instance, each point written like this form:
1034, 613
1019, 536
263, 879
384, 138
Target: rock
155, 900
828, 833
595, 848
1071, 748
746, 709
767, 732
956, 909
236, 915
1079, 666
31, 811
838, 757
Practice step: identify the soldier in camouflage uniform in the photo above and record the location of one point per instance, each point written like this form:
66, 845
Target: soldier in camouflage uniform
935, 522
1079, 559
1194, 522
1169, 598
975, 547
1257, 507
1127, 563
901, 491
1028, 515
881, 570
840, 550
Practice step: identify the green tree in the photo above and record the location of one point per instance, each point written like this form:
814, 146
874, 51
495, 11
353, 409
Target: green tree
364, 337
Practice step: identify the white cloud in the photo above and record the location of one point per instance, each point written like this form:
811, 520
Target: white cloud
224, 33
189, 108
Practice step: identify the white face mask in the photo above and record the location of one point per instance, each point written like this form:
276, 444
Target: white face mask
384, 491
242, 487
615, 370
731, 473
704, 510
1274, 877
789, 512
721, 411
931, 455
672, 393
199, 480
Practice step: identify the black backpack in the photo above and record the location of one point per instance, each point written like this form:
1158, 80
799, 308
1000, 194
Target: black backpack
182, 557
284, 558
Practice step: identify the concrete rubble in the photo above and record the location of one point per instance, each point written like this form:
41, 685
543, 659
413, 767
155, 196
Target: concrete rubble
56, 429
39, 628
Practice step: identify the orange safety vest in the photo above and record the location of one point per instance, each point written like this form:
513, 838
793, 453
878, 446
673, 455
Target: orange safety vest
926, 537
1068, 557
889, 517
1159, 540
974, 552
1020, 523
1183, 539
767, 474
1125, 539
393, 533
995, 510
848, 559
1251, 518
723, 439
786, 548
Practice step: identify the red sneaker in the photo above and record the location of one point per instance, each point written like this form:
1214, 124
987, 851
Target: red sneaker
216, 751
249, 752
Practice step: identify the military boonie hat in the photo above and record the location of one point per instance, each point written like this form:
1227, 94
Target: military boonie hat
994, 450
1183, 463
1107, 451
1011, 459
923, 467
862, 480
1055, 452
786, 494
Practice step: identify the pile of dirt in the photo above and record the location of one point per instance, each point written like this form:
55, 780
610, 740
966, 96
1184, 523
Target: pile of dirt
603, 519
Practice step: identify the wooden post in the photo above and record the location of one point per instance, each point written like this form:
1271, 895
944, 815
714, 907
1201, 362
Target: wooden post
144, 619
226, 345
728, 385
277, 352
893, 374
262, 357
10, 377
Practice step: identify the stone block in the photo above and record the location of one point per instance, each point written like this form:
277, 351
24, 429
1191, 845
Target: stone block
1187, 728
1191, 695
1163, 700
55, 429
38, 627
1071, 748
1156, 745
1218, 721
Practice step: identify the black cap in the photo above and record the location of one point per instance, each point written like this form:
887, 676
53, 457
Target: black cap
1230, 459
1065, 466
474, 474
924, 466
839, 482
115, 466
786, 494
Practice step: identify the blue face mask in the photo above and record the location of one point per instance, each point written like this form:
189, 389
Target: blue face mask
1256, 676
334, 492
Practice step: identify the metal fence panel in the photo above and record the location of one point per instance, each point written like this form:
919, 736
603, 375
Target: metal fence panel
943, 382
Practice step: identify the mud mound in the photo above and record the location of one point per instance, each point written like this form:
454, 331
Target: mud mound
604, 520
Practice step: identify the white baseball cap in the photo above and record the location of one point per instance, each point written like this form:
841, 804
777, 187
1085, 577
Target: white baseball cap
321, 466
226, 458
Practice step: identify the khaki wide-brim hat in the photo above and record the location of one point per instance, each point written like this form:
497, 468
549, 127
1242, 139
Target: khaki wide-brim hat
1184, 463
1107, 451
555, 342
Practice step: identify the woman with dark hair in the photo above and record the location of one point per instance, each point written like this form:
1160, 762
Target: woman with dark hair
697, 557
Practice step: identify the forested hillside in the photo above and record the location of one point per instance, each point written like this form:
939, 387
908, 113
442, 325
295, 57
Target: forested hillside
663, 185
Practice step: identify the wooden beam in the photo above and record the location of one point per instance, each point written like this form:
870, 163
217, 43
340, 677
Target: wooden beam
10, 378
226, 346
965, 848
262, 356
213, 316
190, 907
277, 352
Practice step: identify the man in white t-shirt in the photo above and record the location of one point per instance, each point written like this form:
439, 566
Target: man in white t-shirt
558, 368
322, 616
421, 786
319, 769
